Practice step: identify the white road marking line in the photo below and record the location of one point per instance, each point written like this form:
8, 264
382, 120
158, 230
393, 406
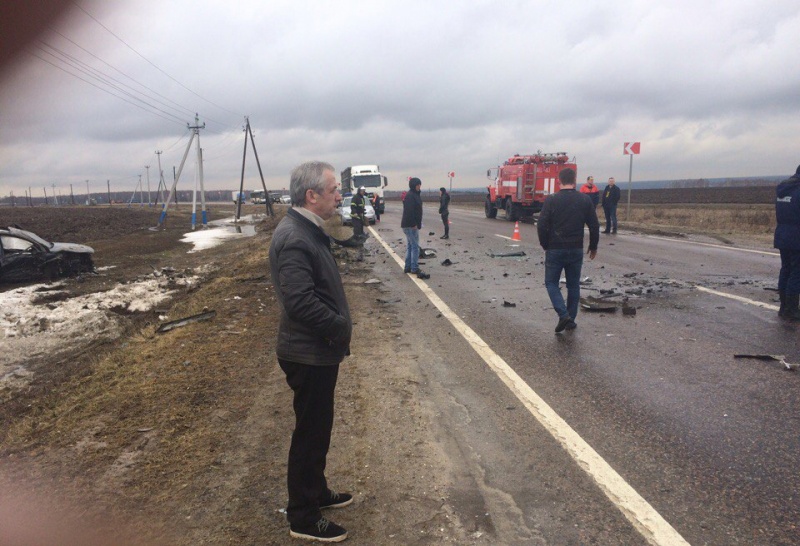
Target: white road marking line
503, 236
713, 245
738, 298
652, 526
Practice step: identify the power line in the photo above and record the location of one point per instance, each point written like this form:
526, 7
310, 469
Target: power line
189, 110
103, 78
100, 88
150, 62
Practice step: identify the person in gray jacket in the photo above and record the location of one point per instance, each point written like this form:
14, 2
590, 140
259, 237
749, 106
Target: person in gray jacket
313, 338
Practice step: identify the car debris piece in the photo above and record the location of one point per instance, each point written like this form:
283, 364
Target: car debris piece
353, 242
394, 300
628, 311
427, 253
448, 262
597, 304
779, 358
372, 281
167, 326
508, 304
515, 254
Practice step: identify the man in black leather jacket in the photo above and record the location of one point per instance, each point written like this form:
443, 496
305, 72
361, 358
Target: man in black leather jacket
313, 338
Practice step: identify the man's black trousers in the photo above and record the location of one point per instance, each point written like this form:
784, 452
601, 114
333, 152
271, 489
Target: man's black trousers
313, 388
446, 222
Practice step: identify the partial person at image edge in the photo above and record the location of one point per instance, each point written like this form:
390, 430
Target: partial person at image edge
787, 240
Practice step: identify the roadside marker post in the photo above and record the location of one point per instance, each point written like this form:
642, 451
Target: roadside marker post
631, 149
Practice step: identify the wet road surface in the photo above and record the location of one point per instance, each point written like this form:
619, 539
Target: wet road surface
711, 442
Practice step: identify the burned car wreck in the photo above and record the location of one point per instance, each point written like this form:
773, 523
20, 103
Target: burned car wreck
24, 256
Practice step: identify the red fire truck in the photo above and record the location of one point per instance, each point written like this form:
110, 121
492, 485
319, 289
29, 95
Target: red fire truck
523, 182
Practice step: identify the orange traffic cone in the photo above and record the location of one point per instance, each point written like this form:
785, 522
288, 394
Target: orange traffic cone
516, 236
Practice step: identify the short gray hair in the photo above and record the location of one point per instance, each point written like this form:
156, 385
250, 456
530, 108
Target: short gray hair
307, 176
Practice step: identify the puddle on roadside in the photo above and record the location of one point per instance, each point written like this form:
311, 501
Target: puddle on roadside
222, 230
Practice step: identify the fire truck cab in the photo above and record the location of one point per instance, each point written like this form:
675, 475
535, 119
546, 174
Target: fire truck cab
523, 182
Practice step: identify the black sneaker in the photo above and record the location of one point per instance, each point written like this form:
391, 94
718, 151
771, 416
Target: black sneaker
571, 325
422, 275
322, 531
407, 270
335, 500
562, 323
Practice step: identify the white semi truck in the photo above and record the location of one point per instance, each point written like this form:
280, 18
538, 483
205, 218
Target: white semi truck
368, 176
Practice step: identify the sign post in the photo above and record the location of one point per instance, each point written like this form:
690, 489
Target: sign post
631, 149
451, 175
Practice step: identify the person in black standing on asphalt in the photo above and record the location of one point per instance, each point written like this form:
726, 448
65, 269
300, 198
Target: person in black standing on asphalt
787, 240
313, 339
444, 210
376, 201
411, 222
358, 211
560, 229
610, 200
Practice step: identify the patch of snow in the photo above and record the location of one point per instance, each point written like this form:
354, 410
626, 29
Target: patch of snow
61, 322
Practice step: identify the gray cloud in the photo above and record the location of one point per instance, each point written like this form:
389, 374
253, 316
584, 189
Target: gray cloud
418, 87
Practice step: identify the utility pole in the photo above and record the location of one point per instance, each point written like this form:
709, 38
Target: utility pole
249, 132
160, 198
45, 195
71, 196
108, 185
149, 201
55, 199
88, 195
199, 171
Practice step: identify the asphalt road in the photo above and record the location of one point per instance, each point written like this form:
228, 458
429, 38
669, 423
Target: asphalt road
708, 442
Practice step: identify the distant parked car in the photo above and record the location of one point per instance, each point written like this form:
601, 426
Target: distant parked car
286, 199
344, 212
24, 256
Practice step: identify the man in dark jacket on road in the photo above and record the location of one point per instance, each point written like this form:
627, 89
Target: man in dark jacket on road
313, 338
411, 224
787, 239
610, 200
560, 229
444, 210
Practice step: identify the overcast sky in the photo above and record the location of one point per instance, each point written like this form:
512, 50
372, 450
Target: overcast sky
710, 89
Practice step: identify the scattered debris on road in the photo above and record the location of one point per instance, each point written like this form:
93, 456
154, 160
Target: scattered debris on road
171, 325
778, 358
515, 254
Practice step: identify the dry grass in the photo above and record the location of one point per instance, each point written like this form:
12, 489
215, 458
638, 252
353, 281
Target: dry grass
722, 219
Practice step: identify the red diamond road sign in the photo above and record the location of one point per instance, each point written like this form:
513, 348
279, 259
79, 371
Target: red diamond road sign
631, 148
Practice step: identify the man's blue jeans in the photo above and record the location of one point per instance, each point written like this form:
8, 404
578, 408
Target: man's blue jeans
412, 249
569, 260
611, 217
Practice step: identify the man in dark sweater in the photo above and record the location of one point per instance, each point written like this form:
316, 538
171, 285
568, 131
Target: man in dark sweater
560, 229
610, 200
444, 210
787, 240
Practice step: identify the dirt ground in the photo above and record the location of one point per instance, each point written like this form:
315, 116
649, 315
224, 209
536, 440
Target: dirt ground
181, 438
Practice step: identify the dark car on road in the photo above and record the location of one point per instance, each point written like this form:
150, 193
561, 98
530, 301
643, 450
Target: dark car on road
24, 256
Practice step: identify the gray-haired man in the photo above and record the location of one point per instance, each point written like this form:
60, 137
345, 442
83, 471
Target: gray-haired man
313, 338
